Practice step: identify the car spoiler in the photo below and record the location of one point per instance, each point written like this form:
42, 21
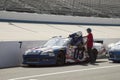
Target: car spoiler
98, 41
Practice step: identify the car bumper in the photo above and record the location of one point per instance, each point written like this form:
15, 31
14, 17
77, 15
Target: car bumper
39, 60
114, 56
114, 59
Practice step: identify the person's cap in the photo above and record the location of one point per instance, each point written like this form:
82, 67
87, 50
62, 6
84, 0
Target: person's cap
89, 29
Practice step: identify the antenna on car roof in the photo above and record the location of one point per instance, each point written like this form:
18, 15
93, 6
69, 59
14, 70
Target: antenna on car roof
56, 36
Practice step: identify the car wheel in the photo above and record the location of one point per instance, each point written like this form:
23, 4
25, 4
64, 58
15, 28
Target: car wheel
60, 58
95, 52
114, 61
30, 65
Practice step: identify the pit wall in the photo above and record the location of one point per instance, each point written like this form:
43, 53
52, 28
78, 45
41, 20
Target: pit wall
58, 19
11, 51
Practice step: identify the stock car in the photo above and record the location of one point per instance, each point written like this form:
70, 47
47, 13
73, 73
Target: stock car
58, 51
114, 52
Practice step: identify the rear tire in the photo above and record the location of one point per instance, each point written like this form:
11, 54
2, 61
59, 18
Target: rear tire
95, 53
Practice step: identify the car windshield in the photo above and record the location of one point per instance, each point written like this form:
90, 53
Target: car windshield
57, 42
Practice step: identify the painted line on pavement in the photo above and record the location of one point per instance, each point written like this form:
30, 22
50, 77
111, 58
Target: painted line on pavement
63, 72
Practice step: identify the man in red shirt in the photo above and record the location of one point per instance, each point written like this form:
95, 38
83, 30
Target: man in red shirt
89, 45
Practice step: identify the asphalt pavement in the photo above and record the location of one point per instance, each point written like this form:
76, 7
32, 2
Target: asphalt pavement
102, 70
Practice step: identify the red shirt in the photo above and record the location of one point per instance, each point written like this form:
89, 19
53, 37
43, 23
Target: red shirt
90, 40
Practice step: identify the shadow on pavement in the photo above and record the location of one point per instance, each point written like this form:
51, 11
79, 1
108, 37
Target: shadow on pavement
101, 61
65, 65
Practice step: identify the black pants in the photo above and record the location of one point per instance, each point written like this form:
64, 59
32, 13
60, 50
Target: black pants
91, 55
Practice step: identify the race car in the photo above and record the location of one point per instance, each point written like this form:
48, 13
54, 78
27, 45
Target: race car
58, 51
114, 52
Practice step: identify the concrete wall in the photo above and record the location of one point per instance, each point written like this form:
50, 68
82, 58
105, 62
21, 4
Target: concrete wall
37, 18
11, 52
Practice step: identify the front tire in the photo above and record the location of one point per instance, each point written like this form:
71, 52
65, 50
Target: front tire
60, 59
114, 61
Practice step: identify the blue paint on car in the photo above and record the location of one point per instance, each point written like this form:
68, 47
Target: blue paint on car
114, 52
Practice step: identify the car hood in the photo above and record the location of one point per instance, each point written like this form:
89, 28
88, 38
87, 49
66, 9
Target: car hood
114, 46
38, 50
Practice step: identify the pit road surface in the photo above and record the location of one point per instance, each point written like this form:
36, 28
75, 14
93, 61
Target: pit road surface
10, 31
102, 70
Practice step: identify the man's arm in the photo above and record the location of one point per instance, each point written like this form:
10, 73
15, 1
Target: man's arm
85, 40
